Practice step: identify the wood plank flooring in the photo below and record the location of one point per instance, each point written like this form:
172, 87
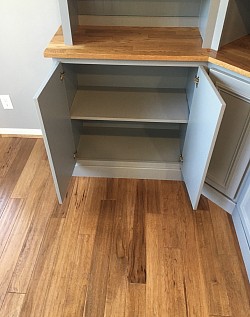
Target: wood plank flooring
116, 247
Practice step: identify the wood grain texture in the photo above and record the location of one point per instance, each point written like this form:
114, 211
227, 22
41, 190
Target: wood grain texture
97, 288
234, 56
194, 279
117, 279
62, 209
130, 43
216, 290
237, 295
174, 283
96, 192
155, 286
138, 43
110, 230
17, 164
12, 305
173, 214
35, 298
136, 300
9, 150
225, 243
60, 280
8, 219
36, 156
28, 255
16, 241
137, 251
79, 277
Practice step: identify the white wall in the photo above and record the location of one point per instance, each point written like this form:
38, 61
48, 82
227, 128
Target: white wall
26, 27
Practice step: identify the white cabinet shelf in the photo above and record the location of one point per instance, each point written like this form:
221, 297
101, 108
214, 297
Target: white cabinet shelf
131, 105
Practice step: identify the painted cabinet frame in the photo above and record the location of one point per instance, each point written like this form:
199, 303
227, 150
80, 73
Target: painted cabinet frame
210, 21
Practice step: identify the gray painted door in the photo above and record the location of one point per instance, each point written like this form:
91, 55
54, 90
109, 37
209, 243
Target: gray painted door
53, 110
204, 121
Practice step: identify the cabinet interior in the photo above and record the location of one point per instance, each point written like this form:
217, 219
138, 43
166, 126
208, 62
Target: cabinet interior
237, 21
128, 114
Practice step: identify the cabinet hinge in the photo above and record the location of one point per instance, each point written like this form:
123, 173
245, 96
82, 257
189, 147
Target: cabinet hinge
74, 155
62, 75
181, 158
196, 81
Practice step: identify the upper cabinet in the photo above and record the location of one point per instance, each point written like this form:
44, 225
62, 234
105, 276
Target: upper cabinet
237, 21
207, 16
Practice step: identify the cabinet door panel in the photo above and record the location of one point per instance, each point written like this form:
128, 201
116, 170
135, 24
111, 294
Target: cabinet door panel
204, 120
53, 111
231, 153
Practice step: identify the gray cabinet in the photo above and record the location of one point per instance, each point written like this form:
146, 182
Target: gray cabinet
241, 219
232, 152
207, 15
130, 121
142, 118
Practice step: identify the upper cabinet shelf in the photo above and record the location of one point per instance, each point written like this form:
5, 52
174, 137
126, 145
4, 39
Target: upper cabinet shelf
205, 15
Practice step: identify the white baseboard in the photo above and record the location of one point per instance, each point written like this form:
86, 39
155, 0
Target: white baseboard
20, 132
218, 198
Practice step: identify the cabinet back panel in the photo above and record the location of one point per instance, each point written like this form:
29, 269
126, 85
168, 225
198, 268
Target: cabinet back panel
131, 76
142, 149
180, 8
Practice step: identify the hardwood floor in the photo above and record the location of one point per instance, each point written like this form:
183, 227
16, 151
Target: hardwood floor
116, 247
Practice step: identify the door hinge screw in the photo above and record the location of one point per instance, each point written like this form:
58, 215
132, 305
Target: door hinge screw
62, 75
196, 81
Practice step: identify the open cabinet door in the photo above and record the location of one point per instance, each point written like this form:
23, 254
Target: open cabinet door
204, 121
53, 111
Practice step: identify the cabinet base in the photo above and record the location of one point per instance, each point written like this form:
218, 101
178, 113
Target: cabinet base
171, 171
218, 198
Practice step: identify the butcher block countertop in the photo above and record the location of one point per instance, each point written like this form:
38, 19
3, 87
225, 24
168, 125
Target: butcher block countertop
147, 44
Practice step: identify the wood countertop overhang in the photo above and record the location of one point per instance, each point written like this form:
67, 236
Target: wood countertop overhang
149, 44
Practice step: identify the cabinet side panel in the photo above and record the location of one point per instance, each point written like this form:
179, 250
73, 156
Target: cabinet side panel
244, 246
69, 17
243, 207
208, 17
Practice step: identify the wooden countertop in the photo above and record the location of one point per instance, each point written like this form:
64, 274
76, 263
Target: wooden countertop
234, 56
158, 43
